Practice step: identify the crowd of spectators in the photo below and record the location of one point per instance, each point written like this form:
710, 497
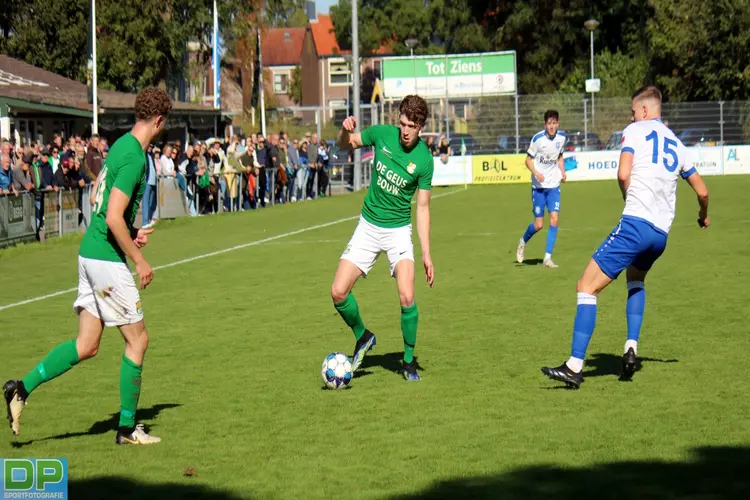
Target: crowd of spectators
239, 174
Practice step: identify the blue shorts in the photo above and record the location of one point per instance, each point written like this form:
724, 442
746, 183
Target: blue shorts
545, 197
633, 242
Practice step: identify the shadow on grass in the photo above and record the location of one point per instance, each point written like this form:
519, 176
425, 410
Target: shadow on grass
602, 364
391, 361
105, 426
118, 488
713, 472
529, 262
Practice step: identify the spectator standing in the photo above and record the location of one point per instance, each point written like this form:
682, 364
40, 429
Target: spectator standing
261, 154
294, 165
167, 163
94, 157
312, 156
6, 175
149, 194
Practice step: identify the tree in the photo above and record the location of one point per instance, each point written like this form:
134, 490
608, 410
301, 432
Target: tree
701, 50
295, 86
444, 26
33, 31
285, 13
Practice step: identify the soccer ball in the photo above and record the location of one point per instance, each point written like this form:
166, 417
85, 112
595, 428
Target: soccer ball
337, 370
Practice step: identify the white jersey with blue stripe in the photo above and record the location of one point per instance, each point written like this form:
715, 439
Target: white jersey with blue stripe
546, 152
659, 160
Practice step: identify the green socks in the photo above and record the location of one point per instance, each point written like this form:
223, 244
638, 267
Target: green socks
349, 311
59, 360
409, 321
130, 391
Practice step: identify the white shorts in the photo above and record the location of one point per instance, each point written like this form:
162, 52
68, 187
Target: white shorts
368, 241
107, 290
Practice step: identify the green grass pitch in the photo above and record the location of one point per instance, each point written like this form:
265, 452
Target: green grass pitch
232, 376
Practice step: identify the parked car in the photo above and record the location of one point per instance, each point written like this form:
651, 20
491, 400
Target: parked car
576, 141
699, 137
614, 141
507, 144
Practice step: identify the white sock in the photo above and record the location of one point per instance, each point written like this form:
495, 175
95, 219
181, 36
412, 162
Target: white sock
522, 243
631, 343
575, 364
547, 256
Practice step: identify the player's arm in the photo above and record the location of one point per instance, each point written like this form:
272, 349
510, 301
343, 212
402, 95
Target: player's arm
95, 188
347, 138
623, 172
423, 230
696, 182
561, 166
530, 165
118, 202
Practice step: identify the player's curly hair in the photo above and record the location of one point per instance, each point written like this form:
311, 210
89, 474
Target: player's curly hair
152, 102
414, 108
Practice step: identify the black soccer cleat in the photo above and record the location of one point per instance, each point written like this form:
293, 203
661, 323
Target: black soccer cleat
364, 344
629, 362
409, 370
564, 374
15, 401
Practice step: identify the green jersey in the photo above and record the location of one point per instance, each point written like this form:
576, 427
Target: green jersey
125, 169
396, 174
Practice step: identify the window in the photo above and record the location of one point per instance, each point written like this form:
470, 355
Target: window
281, 83
339, 72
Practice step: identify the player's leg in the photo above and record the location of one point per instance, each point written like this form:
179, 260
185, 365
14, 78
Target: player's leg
131, 368
636, 302
537, 205
63, 357
553, 206
612, 257
400, 251
59, 360
634, 309
357, 260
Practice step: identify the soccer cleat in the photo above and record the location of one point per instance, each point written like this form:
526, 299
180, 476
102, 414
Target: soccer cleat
520, 251
138, 436
409, 371
564, 374
628, 365
364, 344
15, 400
549, 263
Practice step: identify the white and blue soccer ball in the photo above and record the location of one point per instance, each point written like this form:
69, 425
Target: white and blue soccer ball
337, 370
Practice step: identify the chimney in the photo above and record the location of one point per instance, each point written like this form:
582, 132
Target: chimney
310, 10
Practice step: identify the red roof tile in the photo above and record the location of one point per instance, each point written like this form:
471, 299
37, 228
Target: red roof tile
325, 37
283, 46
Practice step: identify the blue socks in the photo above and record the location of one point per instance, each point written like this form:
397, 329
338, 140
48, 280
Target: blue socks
583, 329
530, 231
551, 238
634, 309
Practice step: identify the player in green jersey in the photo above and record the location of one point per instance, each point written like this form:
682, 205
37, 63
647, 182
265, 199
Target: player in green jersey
107, 294
402, 164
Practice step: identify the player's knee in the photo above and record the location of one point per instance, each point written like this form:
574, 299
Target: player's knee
406, 298
584, 287
338, 293
87, 350
553, 219
538, 224
139, 341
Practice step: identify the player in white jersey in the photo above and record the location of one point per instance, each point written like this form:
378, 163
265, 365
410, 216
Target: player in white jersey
545, 161
652, 160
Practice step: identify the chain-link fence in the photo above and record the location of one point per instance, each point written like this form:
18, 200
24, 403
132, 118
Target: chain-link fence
505, 124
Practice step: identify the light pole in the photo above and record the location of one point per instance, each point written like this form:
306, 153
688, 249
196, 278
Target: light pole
591, 25
412, 42
356, 76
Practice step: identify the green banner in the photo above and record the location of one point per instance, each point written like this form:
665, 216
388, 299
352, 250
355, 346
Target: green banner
491, 73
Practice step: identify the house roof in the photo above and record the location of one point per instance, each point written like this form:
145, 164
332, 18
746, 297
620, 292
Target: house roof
283, 46
325, 37
24, 82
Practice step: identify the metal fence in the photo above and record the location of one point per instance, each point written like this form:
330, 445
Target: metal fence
506, 123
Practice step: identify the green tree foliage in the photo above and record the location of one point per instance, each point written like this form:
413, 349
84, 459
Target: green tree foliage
285, 13
295, 86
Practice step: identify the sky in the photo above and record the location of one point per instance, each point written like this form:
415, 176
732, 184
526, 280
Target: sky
322, 6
